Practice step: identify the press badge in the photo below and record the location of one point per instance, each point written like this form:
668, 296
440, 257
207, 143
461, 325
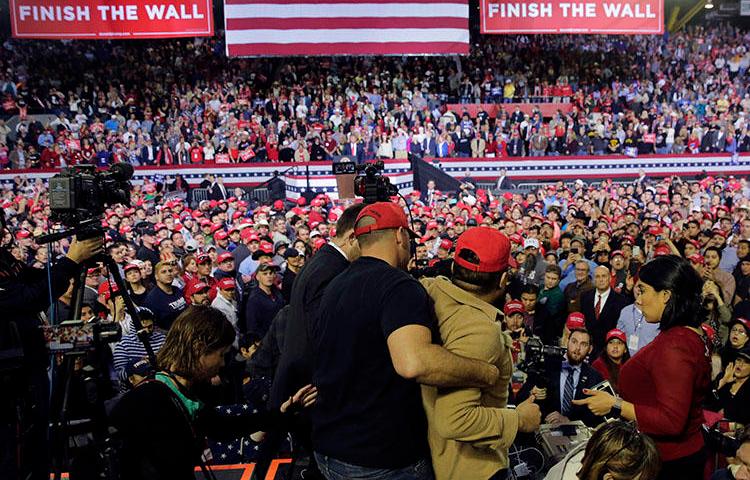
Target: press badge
633, 342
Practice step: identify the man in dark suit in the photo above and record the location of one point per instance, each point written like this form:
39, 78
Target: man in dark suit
503, 181
148, 153
601, 307
295, 364
354, 150
429, 145
218, 190
566, 381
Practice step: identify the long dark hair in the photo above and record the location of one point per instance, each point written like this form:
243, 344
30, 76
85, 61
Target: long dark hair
619, 449
676, 275
199, 330
612, 367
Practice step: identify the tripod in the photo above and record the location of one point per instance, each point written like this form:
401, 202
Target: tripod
93, 381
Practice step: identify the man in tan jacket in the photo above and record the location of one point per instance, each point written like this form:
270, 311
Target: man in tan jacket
470, 429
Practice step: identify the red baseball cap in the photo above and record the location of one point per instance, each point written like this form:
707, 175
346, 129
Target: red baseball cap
220, 235
249, 236
618, 334
278, 205
130, 266
227, 284
576, 321
387, 215
23, 234
446, 244
514, 306
319, 242
202, 259
697, 258
661, 250
199, 287
432, 225
615, 253
490, 245
224, 257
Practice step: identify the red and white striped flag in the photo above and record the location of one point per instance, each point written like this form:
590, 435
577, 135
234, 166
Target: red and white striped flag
346, 27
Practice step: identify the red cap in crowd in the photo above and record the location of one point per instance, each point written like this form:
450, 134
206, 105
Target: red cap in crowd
227, 284
224, 257
618, 334
23, 234
387, 215
201, 259
616, 253
318, 244
491, 247
514, 306
198, 287
220, 235
575, 321
130, 266
697, 258
446, 244
278, 205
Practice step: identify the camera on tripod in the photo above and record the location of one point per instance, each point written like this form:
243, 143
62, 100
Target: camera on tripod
81, 192
370, 183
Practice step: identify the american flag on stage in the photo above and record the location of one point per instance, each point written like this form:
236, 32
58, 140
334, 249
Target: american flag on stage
346, 27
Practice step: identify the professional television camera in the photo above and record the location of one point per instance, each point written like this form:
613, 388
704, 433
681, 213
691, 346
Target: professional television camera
370, 183
537, 357
78, 196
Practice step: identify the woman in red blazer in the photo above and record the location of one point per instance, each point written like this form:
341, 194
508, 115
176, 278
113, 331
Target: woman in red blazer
663, 386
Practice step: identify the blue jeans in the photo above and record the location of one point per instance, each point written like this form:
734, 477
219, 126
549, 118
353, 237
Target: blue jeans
334, 469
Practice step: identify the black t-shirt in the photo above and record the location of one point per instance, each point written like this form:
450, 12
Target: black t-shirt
166, 307
366, 414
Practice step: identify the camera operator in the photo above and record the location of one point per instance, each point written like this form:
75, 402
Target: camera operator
471, 428
566, 382
24, 293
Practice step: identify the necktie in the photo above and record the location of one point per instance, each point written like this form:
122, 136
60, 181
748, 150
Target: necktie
598, 306
568, 392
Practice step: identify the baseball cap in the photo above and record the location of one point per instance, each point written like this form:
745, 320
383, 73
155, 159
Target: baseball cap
387, 215
615, 253
618, 334
318, 244
267, 266
265, 249
292, 253
227, 284
576, 321
744, 353
446, 244
199, 287
491, 247
531, 242
697, 258
249, 235
220, 235
200, 259
224, 257
514, 306
130, 266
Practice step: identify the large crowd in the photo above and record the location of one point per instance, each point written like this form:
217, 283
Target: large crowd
187, 103
573, 259
247, 305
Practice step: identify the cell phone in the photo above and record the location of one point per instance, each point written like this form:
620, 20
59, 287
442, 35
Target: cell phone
423, 262
574, 251
659, 238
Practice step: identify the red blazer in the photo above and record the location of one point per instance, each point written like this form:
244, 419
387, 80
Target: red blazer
667, 381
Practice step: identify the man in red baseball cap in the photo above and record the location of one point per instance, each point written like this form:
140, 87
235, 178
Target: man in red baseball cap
468, 326
226, 302
374, 333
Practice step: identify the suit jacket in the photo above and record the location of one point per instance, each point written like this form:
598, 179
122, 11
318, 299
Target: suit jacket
217, 193
588, 379
429, 147
608, 316
358, 156
295, 365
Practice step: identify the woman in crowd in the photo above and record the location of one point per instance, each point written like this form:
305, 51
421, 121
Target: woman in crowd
162, 424
134, 279
718, 312
731, 392
190, 268
613, 357
739, 332
616, 451
664, 385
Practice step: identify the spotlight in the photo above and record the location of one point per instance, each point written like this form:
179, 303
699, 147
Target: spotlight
709, 4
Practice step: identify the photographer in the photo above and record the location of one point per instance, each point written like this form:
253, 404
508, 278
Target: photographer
24, 293
163, 424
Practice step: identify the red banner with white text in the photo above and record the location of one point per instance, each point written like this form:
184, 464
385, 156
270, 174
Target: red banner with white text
570, 16
111, 19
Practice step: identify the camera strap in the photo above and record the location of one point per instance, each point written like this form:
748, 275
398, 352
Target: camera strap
201, 456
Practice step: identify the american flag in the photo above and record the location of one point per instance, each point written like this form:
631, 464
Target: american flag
346, 27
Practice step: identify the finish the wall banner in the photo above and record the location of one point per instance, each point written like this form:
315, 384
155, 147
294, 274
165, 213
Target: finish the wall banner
111, 19
570, 16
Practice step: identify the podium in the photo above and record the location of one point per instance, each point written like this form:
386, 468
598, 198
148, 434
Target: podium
345, 185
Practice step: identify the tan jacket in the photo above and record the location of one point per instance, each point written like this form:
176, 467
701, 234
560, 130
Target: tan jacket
469, 429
